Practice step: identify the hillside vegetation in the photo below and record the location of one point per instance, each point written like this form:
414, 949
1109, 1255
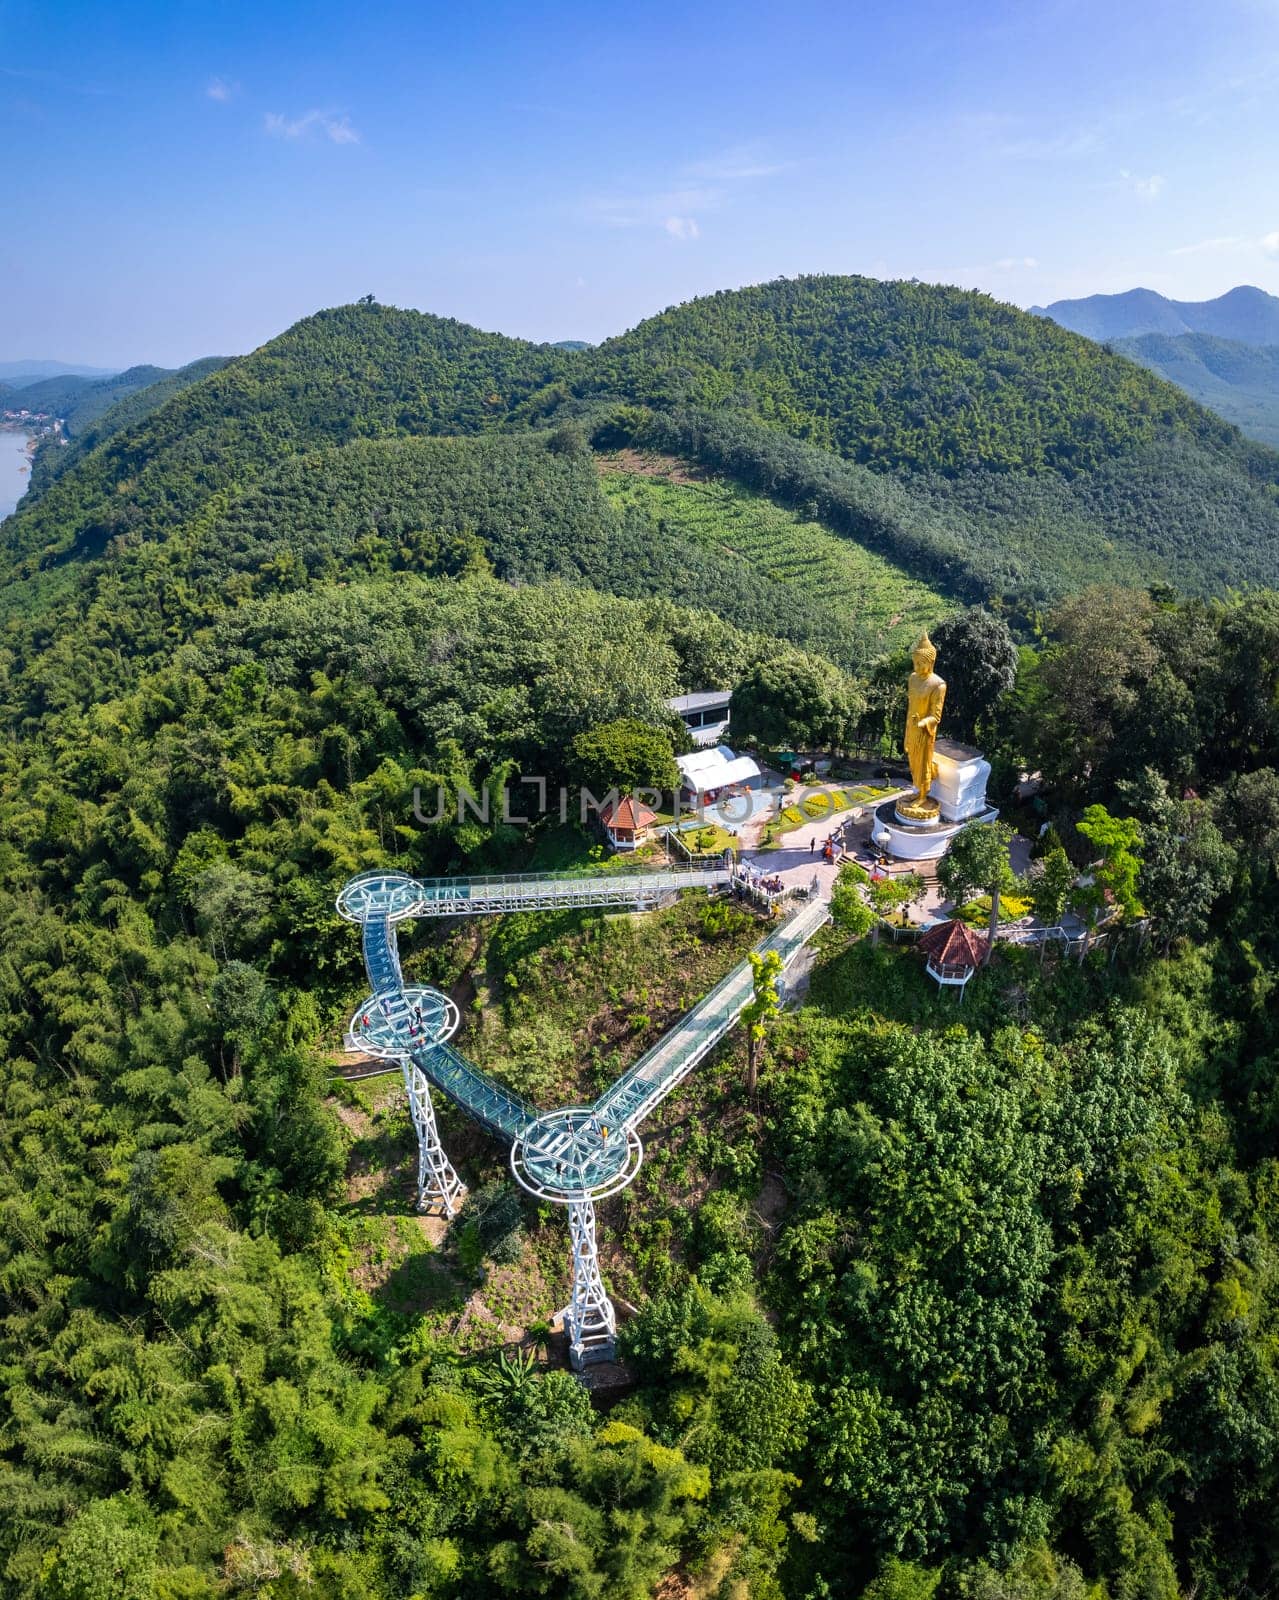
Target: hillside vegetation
100, 411
1238, 381
902, 375
1006, 423
354, 372
874, 600
974, 1303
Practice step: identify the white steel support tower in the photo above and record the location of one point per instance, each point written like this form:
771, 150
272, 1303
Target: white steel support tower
438, 1187
589, 1321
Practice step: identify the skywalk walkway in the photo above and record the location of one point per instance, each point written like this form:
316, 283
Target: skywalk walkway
402, 897
645, 1084
574, 1155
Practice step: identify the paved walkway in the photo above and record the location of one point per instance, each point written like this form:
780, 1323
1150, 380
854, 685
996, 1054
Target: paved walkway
800, 857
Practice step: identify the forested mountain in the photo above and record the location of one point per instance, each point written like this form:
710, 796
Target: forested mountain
63, 396
1245, 314
1034, 458
1238, 381
903, 375
974, 1304
103, 409
355, 372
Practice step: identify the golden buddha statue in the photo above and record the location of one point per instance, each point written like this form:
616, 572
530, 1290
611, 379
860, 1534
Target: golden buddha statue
925, 696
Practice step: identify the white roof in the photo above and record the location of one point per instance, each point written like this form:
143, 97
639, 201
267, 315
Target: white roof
720, 773
703, 700
697, 759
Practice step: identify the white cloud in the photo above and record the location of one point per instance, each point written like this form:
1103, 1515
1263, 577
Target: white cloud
1231, 243
1144, 188
698, 188
220, 90
733, 166
1225, 241
1014, 263
336, 128
1068, 146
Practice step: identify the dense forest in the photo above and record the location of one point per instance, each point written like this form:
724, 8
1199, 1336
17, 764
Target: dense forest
978, 1303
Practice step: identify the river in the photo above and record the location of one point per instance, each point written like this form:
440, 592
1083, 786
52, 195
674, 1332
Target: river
15, 466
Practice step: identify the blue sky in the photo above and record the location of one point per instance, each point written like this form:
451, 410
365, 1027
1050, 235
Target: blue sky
188, 179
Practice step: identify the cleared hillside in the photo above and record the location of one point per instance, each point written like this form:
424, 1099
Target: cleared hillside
882, 605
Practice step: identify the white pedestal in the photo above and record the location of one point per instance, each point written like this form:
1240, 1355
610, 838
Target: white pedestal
960, 784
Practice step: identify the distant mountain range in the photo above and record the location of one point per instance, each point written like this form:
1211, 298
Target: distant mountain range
1223, 352
1246, 314
17, 373
1236, 380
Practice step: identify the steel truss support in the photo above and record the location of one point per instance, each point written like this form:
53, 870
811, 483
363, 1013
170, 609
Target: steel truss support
438, 1186
588, 1317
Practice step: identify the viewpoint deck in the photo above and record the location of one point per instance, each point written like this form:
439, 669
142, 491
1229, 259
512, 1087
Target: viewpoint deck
577, 1154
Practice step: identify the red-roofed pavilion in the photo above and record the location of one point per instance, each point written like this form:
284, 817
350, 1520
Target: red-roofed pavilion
627, 823
954, 952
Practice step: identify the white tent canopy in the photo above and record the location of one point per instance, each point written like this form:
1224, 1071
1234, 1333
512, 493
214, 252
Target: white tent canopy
715, 769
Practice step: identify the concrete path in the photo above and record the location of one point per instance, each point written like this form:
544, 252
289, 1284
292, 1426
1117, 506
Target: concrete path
800, 858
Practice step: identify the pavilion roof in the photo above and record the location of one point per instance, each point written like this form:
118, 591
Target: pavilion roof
954, 944
628, 813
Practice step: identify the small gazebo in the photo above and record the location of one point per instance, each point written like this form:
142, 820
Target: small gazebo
954, 952
628, 823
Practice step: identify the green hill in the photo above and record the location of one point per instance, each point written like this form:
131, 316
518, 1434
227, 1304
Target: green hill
987, 452
354, 372
1238, 381
101, 411
907, 376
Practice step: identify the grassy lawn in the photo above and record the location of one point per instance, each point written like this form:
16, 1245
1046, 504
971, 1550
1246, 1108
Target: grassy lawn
869, 793
708, 840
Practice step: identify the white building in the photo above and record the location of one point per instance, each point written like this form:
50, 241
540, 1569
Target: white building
705, 715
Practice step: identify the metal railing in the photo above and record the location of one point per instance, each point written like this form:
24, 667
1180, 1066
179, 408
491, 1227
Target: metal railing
379, 894
650, 1079
637, 1092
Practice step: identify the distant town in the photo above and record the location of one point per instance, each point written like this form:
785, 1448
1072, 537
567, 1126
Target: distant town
41, 422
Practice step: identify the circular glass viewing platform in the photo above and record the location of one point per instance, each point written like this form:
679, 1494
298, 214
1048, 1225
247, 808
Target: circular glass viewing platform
570, 1155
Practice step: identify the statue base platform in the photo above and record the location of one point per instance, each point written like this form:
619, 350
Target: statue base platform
917, 841
918, 813
960, 785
